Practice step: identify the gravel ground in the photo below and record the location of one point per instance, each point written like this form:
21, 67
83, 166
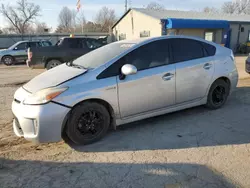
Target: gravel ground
191, 148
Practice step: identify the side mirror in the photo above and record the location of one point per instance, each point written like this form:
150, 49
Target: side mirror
129, 69
15, 48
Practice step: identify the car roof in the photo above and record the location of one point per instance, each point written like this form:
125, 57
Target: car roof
78, 38
31, 41
151, 39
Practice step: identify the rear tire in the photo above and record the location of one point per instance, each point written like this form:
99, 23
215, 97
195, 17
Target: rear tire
88, 123
218, 94
52, 64
8, 60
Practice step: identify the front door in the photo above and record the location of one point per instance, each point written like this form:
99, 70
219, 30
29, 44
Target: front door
153, 86
194, 68
20, 52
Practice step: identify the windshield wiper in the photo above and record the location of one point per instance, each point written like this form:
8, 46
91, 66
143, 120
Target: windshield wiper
71, 64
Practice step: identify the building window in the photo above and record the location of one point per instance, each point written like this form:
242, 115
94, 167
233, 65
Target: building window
242, 29
122, 36
209, 36
249, 35
144, 34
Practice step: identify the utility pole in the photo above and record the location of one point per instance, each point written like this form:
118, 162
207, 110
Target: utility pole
126, 5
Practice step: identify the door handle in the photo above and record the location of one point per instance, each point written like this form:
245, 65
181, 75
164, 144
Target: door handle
207, 66
168, 76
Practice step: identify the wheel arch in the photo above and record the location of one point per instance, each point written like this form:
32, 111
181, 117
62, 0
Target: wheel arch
224, 78
7, 56
50, 59
97, 100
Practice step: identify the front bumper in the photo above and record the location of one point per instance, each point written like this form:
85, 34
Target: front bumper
39, 123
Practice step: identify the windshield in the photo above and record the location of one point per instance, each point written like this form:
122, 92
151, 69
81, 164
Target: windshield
102, 55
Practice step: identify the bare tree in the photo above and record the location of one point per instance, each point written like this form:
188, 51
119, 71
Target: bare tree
106, 18
236, 7
41, 28
210, 10
20, 16
81, 20
65, 19
155, 6
74, 18
243, 6
229, 7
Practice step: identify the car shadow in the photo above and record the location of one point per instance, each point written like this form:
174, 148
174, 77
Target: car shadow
196, 127
33, 174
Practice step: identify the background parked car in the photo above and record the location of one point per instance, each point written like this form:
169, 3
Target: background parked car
65, 50
248, 64
17, 53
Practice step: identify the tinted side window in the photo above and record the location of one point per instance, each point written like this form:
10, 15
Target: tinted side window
210, 50
113, 70
33, 44
21, 46
74, 43
46, 43
93, 43
148, 56
186, 49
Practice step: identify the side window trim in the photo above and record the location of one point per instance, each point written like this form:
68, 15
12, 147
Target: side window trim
100, 76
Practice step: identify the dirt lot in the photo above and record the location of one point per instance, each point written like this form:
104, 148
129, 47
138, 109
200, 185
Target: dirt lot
191, 148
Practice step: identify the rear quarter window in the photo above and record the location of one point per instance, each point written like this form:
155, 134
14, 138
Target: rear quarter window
210, 50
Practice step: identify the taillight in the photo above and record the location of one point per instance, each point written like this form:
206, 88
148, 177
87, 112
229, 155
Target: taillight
232, 56
29, 54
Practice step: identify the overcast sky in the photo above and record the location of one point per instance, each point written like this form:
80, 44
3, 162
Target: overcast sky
51, 8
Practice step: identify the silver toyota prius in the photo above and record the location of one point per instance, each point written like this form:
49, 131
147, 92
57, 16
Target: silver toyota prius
120, 83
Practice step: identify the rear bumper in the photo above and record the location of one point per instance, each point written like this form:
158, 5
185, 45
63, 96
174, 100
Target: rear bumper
39, 123
37, 65
234, 78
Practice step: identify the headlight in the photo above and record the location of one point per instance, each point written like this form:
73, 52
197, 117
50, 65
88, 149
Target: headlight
44, 96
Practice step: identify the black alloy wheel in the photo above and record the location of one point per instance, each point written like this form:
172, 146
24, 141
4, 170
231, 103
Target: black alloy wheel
218, 94
88, 123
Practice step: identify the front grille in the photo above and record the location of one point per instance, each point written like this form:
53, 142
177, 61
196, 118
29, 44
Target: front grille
17, 101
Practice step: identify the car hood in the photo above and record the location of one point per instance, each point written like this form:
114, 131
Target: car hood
4, 51
53, 77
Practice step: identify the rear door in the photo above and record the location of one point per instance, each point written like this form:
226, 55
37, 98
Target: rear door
194, 68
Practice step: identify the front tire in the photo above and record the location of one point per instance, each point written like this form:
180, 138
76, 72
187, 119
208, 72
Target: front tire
8, 60
52, 64
218, 94
88, 123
